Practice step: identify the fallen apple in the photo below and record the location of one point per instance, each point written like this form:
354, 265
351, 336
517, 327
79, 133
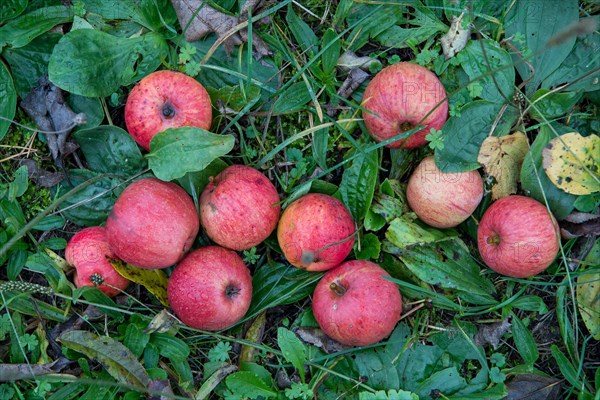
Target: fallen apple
443, 200
355, 305
88, 251
152, 224
518, 237
239, 208
316, 232
210, 289
401, 97
166, 99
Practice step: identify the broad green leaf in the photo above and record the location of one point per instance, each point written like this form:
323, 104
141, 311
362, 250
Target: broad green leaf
293, 99
404, 232
177, 151
195, 182
526, 345
330, 56
248, 384
370, 20
8, 99
530, 303
485, 58
464, 134
450, 265
22, 30
135, 339
100, 300
169, 346
373, 221
155, 280
11, 8
110, 149
91, 107
31, 306
423, 23
388, 395
118, 360
534, 180
279, 284
370, 247
49, 223
303, 34
89, 206
566, 367
95, 64
292, 348
572, 162
531, 24
151, 14
358, 184
502, 158
235, 97
546, 105
19, 185
582, 60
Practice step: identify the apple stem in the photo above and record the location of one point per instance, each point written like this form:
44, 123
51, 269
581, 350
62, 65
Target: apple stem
168, 111
337, 288
231, 291
494, 239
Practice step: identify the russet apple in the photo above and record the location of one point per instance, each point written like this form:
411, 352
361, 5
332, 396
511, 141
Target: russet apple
401, 97
166, 99
518, 237
355, 305
210, 289
152, 224
88, 251
443, 200
239, 208
316, 232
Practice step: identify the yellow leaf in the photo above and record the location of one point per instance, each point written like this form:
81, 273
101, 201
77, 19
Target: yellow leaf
502, 158
588, 300
572, 162
155, 280
255, 335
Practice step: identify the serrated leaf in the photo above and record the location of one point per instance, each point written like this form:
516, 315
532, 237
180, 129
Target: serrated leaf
292, 348
358, 184
155, 280
572, 162
249, 385
502, 158
118, 360
177, 151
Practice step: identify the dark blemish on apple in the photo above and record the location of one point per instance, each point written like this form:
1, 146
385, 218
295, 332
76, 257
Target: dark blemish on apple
213, 207
259, 181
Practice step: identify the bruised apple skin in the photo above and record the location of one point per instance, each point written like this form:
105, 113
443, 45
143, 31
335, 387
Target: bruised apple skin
210, 289
166, 99
443, 200
316, 232
518, 237
88, 251
355, 305
152, 224
239, 208
401, 97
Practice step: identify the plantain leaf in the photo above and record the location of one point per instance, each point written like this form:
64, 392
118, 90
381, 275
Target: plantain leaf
118, 360
358, 184
8, 99
155, 280
292, 348
22, 30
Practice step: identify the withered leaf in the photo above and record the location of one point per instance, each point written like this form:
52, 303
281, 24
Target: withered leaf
456, 38
491, 333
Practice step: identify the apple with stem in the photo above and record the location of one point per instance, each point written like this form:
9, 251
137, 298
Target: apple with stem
443, 200
88, 251
166, 99
518, 237
210, 289
401, 97
355, 305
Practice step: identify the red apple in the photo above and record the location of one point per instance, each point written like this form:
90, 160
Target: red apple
88, 251
518, 237
355, 305
316, 232
210, 289
239, 208
166, 99
401, 97
152, 224
443, 199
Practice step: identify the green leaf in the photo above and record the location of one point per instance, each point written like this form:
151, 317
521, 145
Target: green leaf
95, 64
248, 384
552, 105
450, 265
11, 8
358, 184
373, 222
536, 22
118, 360
303, 34
464, 134
404, 232
8, 99
424, 24
293, 99
588, 293
534, 181
169, 346
177, 151
526, 345
292, 348
22, 30
388, 395
236, 97
19, 185
99, 299
49, 223
580, 62
91, 107
135, 339
195, 182
110, 149
330, 56
530, 303
370, 248
566, 367
486, 57
371, 20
